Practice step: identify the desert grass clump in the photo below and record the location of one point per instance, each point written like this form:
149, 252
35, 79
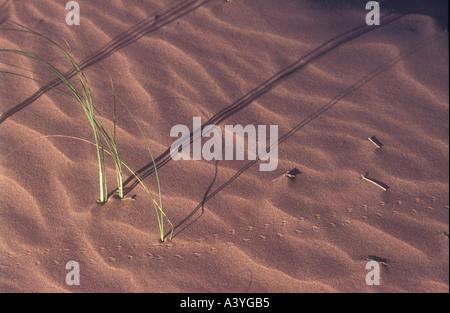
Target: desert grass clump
82, 95
104, 138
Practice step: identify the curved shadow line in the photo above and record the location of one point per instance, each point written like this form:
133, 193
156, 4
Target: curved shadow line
251, 281
201, 205
263, 88
316, 114
136, 32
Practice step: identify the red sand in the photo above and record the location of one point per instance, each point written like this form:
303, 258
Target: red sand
307, 235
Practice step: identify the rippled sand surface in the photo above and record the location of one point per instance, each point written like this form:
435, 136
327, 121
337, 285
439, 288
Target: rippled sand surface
311, 67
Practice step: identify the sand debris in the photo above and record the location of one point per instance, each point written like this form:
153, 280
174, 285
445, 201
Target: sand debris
375, 182
375, 141
289, 174
378, 259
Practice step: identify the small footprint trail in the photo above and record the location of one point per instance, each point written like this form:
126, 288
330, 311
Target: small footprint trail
311, 225
307, 120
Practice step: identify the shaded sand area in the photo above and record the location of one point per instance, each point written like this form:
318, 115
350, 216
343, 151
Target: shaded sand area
314, 68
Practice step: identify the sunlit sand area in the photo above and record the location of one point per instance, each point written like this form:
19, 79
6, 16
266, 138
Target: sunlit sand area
224, 146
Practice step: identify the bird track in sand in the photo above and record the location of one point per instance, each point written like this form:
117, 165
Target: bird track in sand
302, 226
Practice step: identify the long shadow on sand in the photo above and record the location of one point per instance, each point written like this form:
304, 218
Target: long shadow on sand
263, 88
201, 205
136, 32
302, 124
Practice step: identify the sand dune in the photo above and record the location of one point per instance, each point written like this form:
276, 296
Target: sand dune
314, 68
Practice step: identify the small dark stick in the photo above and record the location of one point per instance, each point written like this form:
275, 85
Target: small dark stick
378, 259
290, 174
376, 142
375, 182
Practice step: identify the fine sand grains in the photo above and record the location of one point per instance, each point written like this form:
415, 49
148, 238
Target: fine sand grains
310, 67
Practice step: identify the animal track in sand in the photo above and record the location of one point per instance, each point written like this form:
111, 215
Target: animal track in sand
241, 237
346, 223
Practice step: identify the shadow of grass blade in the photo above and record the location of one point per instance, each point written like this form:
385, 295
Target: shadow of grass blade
104, 138
126, 164
84, 97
